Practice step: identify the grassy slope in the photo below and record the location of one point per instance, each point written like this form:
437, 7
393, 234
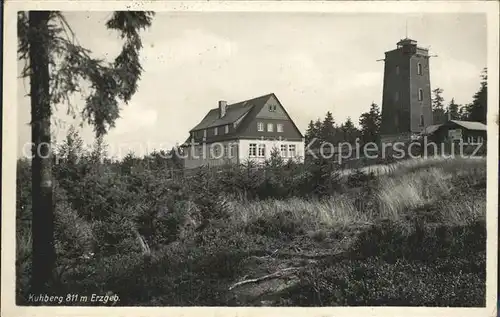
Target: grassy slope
413, 235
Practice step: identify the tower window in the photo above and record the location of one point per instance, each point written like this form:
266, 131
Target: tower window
419, 69
421, 120
420, 94
397, 70
396, 96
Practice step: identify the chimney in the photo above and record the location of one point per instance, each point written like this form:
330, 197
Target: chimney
222, 108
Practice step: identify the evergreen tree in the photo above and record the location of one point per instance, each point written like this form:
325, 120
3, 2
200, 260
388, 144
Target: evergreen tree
318, 125
453, 111
328, 129
438, 112
477, 110
349, 131
370, 124
311, 132
57, 65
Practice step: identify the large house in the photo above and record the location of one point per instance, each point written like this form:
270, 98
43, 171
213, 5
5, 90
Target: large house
245, 131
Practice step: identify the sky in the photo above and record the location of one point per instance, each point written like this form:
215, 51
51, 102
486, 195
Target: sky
313, 62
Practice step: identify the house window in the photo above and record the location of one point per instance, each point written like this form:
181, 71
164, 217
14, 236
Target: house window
262, 150
272, 108
283, 149
252, 150
226, 150
279, 127
204, 134
270, 127
397, 70
419, 69
291, 150
480, 140
216, 131
231, 150
260, 126
421, 120
420, 94
226, 129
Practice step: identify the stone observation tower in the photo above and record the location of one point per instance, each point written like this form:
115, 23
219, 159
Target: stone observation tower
406, 100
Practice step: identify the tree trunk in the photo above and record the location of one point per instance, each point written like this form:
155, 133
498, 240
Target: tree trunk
42, 204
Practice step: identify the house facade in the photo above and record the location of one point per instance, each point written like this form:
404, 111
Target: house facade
245, 131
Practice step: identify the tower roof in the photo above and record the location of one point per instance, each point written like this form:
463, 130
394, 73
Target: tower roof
406, 41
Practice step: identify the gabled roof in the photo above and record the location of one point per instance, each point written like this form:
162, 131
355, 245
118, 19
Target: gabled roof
233, 113
471, 125
431, 129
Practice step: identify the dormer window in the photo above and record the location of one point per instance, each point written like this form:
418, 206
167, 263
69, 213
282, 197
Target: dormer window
260, 126
279, 127
226, 129
216, 131
270, 127
204, 134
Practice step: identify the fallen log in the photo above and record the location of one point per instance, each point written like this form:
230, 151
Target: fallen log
277, 274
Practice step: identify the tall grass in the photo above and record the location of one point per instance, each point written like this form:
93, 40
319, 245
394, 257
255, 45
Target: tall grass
403, 187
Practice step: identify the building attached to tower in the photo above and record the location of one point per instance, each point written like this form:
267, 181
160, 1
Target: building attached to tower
406, 100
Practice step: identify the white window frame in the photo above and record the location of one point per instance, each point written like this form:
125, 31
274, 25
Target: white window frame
252, 149
270, 127
260, 126
420, 94
284, 150
291, 152
480, 140
226, 129
261, 150
216, 131
279, 127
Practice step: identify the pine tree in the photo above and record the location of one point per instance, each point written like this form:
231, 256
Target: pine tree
310, 132
328, 129
370, 124
477, 110
57, 65
453, 111
438, 112
349, 131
